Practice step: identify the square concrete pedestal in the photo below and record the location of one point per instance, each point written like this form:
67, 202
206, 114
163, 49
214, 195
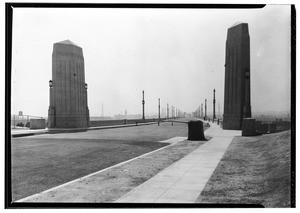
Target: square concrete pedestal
248, 127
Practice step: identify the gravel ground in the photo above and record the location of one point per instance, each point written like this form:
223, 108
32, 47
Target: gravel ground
254, 170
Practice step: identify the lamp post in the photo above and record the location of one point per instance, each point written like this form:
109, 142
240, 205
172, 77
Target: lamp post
51, 115
205, 109
158, 111
87, 109
143, 103
50, 91
86, 87
214, 105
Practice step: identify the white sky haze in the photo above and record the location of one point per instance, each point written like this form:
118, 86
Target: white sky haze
176, 55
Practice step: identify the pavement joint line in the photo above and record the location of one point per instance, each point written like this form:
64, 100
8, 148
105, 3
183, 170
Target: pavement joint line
174, 183
178, 178
89, 175
166, 190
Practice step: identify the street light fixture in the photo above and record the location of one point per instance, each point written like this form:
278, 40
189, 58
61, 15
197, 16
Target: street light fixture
50, 83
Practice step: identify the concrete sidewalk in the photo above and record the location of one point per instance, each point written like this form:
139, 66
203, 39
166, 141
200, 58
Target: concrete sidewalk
183, 181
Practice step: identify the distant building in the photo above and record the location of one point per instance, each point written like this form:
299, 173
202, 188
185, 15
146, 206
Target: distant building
68, 90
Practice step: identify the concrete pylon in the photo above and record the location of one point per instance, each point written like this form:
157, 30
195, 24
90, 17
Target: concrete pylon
237, 77
68, 90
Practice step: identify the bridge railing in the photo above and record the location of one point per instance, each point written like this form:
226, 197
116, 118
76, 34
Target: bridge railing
95, 123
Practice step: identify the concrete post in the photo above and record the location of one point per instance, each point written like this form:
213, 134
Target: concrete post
196, 131
248, 127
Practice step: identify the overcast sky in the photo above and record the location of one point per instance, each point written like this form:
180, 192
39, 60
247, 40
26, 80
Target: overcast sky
177, 55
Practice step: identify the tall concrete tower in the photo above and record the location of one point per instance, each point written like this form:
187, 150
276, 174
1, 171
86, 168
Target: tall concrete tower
237, 77
68, 90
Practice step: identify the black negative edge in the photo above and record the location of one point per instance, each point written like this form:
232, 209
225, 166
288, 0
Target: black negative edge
293, 106
8, 51
132, 205
139, 5
8, 56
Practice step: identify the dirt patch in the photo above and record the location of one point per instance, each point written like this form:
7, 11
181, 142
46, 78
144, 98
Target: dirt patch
254, 170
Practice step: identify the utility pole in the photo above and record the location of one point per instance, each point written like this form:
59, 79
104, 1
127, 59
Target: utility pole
214, 105
143, 102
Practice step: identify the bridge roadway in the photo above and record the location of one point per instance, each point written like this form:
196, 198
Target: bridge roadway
22, 132
182, 182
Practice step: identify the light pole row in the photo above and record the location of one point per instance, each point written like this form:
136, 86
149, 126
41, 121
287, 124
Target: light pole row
199, 111
175, 112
